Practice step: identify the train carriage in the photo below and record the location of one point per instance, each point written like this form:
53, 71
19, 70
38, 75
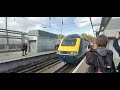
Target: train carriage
72, 48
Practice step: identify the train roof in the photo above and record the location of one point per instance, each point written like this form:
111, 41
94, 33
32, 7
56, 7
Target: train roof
73, 36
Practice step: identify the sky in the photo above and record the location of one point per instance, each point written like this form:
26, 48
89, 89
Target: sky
71, 25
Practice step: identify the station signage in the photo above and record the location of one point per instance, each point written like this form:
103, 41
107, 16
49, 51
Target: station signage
32, 38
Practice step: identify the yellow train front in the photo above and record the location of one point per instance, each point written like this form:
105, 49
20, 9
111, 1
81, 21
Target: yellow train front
72, 49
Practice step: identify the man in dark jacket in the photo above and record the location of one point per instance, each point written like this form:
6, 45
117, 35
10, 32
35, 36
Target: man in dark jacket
99, 48
26, 47
23, 49
115, 43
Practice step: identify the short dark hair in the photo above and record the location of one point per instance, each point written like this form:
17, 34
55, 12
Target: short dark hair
101, 41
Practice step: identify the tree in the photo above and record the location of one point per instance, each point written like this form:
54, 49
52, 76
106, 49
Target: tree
90, 38
60, 36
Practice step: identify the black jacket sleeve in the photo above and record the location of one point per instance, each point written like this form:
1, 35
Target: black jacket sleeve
91, 59
115, 42
113, 64
110, 52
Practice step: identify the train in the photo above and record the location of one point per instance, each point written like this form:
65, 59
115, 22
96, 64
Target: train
72, 49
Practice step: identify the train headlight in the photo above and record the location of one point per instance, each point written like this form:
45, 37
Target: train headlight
74, 53
71, 53
58, 52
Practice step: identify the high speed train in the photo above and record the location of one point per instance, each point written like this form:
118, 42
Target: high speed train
72, 49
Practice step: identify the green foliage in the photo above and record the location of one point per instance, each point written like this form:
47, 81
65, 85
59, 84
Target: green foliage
60, 36
88, 37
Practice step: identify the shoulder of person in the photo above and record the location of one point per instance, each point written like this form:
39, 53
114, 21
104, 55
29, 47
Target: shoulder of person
91, 52
110, 52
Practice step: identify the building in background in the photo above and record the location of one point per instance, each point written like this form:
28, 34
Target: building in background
41, 41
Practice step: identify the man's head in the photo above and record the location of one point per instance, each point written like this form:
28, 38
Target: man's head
100, 41
118, 35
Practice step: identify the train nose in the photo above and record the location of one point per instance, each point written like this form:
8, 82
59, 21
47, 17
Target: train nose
64, 58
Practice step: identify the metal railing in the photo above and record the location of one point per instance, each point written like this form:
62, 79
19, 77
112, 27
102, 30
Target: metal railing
5, 37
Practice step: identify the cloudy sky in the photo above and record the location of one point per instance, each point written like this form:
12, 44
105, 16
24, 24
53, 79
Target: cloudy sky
71, 25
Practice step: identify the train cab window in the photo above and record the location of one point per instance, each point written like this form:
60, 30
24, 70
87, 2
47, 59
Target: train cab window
69, 42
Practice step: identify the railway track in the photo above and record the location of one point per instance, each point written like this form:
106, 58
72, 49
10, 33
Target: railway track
45, 67
39, 66
27, 64
67, 68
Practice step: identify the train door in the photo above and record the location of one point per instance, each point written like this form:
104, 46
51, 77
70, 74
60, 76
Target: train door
33, 46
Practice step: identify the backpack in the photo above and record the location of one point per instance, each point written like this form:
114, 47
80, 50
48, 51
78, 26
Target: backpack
103, 65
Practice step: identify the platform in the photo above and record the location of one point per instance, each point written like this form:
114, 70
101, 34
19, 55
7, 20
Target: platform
10, 56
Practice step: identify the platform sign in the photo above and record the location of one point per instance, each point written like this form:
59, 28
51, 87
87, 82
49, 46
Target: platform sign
32, 38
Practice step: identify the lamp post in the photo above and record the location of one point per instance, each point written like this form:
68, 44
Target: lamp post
61, 28
7, 34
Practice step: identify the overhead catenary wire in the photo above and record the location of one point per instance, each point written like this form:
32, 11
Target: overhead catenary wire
91, 25
52, 26
44, 26
57, 24
49, 26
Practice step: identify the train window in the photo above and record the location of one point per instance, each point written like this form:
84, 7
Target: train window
69, 42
